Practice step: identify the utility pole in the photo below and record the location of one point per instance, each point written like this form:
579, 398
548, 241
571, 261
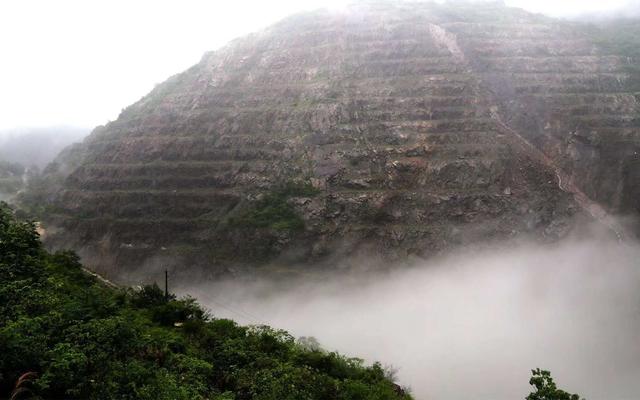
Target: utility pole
166, 285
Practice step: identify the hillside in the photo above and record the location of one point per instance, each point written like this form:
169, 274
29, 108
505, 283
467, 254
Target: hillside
65, 334
386, 131
11, 179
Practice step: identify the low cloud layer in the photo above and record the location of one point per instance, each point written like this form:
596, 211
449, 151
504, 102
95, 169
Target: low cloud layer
471, 326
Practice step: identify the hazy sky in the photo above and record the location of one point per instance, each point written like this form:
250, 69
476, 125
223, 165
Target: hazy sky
79, 62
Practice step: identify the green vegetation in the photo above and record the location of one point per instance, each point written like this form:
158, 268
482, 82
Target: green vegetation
70, 336
11, 177
273, 211
546, 388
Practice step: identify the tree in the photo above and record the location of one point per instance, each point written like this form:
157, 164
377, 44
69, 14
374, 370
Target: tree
66, 335
546, 388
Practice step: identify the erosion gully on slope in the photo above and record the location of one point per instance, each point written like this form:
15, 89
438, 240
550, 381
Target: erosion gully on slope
565, 183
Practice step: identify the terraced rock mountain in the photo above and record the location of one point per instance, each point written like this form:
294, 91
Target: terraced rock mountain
387, 130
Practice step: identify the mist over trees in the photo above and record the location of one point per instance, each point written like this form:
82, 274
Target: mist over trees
37, 146
25, 152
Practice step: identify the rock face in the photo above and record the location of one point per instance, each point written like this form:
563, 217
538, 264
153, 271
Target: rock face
388, 130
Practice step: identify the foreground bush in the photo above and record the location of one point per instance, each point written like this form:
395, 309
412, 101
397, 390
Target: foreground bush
546, 388
65, 335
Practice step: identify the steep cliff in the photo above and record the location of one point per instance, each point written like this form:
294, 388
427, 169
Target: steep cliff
385, 130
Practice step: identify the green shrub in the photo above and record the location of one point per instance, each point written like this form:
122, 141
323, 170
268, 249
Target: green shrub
546, 388
149, 296
274, 212
86, 340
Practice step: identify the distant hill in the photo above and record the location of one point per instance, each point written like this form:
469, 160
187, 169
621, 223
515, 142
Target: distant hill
387, 131
24, 152
12, 179
37, 146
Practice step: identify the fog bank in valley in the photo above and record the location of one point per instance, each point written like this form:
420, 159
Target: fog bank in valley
470, 326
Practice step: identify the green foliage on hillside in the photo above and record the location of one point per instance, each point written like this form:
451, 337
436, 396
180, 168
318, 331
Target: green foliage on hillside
85, 340
273, 211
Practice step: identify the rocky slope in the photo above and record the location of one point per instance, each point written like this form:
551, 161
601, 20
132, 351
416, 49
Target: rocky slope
386, 130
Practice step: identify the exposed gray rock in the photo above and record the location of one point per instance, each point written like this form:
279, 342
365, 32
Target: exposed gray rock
403, 117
